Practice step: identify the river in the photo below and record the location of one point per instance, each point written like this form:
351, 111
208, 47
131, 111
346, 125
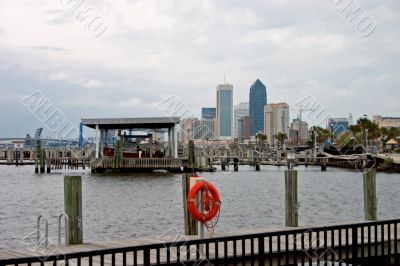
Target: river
120, 206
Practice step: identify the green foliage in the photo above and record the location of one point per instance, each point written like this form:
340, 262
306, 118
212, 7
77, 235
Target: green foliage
281, 137
322, 134
388, 163
364, 124
397, 150
347, 139
389, 133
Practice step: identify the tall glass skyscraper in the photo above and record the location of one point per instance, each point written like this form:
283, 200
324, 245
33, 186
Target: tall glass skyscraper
225, 111
258, 99
208, 112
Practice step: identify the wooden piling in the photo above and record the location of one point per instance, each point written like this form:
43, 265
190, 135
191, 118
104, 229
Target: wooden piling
189, 223
42, 161
291, 201
370, 199
257, 164
323, 164
73, 208
235, 164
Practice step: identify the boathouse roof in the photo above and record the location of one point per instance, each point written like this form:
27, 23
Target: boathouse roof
131, 123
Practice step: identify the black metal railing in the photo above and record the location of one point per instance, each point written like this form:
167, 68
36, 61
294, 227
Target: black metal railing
369, 243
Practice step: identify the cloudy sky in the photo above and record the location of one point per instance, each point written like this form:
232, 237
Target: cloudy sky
122, 58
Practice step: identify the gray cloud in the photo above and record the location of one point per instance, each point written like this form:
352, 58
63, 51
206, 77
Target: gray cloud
155, 49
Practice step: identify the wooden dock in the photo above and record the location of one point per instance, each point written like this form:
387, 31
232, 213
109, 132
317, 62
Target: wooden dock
284, 246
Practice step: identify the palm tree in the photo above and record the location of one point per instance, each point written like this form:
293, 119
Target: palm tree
261, 138
322, 134
281, 137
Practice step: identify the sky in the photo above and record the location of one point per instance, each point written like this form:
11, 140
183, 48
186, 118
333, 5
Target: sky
126, 58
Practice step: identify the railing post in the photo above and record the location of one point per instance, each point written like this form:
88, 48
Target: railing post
261, 251
354, 244
146, 256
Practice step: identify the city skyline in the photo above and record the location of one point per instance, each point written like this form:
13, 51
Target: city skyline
151, 51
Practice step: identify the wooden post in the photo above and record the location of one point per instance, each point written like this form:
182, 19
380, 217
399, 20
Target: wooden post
306, 159
190, 223
17, 156
323, 164
257, 164
73, 208
235, 164
291, 203
42, 160
192, 157
370, 200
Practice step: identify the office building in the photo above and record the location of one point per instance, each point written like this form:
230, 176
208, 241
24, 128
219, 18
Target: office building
240, 110
276, 119
208, 113
244, 128
225, 111
338, 125
258, 100
203, 129
386, 122
298, 133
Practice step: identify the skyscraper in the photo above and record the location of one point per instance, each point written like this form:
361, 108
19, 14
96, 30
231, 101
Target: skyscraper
225, 111
208, 112
244, 128
298, 133
276, 119
338, 125
240, 110
258, 99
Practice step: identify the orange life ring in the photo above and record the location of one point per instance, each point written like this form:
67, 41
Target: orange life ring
211, 201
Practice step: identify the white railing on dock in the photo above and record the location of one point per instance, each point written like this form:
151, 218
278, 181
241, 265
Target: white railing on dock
135, 163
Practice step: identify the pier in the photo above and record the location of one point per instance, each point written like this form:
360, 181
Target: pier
368, 243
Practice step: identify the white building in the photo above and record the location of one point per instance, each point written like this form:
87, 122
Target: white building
387, 122
276, 119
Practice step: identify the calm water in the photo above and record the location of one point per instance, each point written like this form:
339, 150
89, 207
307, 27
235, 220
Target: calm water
126, 206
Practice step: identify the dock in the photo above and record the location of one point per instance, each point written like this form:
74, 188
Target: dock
367, 243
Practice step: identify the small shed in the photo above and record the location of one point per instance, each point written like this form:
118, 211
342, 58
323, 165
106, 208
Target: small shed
391, 144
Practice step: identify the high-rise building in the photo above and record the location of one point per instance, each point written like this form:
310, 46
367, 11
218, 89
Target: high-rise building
208, 112
240, 110
244, 128
276, 119
258, 100
338, 125
298, 132
186, 129
225, 111
203, 129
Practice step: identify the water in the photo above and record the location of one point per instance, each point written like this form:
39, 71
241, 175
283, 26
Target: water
140, 205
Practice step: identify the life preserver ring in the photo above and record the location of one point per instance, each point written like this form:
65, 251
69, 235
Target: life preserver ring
211, 201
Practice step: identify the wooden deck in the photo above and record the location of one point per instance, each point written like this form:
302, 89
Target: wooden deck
323, 246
